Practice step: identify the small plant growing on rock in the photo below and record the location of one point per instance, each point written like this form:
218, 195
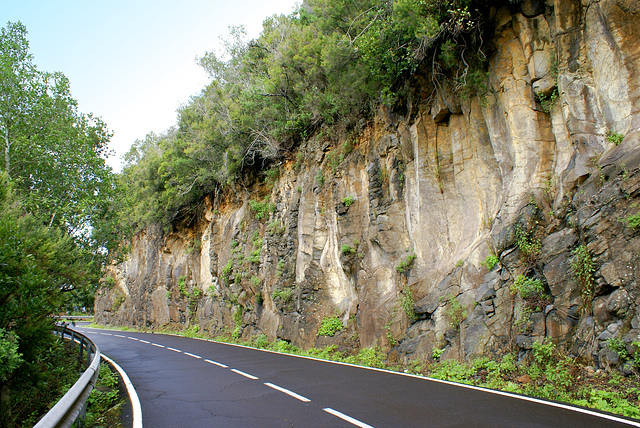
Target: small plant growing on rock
347, 249
348, 201
633, 221
582, 267
491, 261
528, 245
436, 353
527, 288
614, 138
261, 209
406, 264
284, 295
531, 291
407, 304
329, 326
455, 313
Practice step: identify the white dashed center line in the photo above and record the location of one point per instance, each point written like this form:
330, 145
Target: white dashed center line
286, 391
347, 418
217, 364
304, 399
244, 374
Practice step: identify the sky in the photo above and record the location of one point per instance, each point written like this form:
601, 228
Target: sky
133, 62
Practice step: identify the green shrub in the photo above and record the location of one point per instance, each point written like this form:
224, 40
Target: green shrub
614, 137
284, 295
527, 288
261, 209
346, 249
633, 221
369, 357
455, 313
583, 268
347, 201
491, 261
406, 264
407, 304
329, 326
254, 257
527, 243
226, 270
436, 352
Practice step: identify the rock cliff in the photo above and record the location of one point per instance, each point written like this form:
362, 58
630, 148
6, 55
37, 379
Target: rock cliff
469, 224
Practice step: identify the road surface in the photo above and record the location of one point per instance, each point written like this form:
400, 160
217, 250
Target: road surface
183, 382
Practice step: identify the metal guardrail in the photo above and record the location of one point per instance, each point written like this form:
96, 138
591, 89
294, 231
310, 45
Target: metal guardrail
73, 317
72, 405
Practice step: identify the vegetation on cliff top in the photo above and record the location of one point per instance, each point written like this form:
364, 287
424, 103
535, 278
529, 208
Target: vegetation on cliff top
331, 63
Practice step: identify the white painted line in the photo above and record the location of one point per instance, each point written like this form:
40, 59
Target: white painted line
159, 346
286, 391
133, 396
192, 355
217, 364
244, 374
173, 349
144, 341
132, 338
119, 335
346, 418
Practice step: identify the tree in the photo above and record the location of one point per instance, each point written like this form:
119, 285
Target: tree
54, 155
58, 220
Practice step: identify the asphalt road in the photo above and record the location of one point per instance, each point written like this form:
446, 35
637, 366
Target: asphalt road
186, 382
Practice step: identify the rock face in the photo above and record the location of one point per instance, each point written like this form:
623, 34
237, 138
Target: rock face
390, 231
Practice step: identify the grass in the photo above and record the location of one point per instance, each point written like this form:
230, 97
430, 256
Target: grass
550, 374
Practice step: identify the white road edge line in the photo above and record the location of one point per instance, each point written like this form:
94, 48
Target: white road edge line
158, 345
244, 374
133, 395
173, 349
346, 418
132, 338
192, 355
144, 341
119, 335
286, 391
217, 364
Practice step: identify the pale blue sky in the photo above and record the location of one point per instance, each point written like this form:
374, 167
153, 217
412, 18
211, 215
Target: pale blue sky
132, 62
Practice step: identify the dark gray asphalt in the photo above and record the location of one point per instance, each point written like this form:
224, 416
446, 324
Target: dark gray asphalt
181, 390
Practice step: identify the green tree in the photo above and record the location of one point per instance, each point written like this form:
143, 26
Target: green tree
54, 155
58, 222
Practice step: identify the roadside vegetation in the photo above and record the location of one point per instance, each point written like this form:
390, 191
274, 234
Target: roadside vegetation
104, 405
548, 373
